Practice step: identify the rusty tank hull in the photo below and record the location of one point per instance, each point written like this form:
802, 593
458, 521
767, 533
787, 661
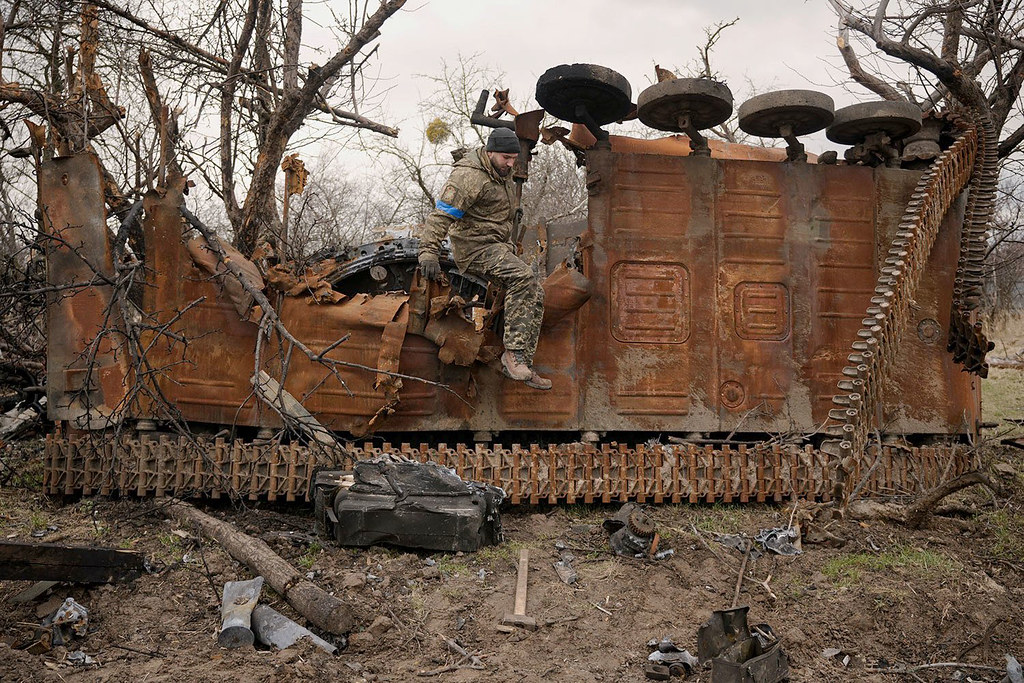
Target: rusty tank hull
711, 301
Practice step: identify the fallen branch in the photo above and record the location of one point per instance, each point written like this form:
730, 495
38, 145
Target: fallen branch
320, 608
743, 571
919, 511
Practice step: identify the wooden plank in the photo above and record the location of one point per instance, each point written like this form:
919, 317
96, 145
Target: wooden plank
32, 592
270, 390
53, 562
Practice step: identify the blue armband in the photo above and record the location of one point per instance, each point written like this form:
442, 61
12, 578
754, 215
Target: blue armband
450, 210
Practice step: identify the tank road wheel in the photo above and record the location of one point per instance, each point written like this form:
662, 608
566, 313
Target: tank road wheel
585, 93
873, 129
853, 124
787, 114
686, 105
803, 111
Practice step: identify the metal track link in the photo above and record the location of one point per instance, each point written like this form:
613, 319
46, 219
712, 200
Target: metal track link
569, 473
873, 353
967, 341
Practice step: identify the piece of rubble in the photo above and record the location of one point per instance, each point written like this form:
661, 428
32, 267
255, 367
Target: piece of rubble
668, 654
566, 572
408, 504
737, 654
276, 630
238, 602
71, 618
778, 540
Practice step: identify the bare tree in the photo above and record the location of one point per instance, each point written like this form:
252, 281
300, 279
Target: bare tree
966, 55
237, 65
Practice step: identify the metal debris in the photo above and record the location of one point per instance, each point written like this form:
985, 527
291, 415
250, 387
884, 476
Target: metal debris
79, 658
566, 572
70, 618
777, 540
631, 531
408, 504
736, 654
669, 654
274, 629
237, 604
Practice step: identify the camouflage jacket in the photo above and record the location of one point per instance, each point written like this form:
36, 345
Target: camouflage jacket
476, 208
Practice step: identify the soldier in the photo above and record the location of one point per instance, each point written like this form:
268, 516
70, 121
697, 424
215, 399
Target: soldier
476, 208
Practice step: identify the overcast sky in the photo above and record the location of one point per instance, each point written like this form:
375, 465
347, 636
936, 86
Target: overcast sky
776, 44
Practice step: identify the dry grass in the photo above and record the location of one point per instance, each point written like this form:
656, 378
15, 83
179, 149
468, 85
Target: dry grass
1003, 390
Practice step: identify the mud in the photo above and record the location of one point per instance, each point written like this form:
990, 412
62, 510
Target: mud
889, 596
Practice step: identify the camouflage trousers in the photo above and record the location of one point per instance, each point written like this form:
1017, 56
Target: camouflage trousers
524, 295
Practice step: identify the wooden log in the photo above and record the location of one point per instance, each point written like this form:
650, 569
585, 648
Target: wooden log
54, 562
320, 608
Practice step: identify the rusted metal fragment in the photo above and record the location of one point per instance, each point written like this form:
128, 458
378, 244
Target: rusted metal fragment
313, 282
207, 379
210, 263
86, 365
571, 473
565, 291
388, 361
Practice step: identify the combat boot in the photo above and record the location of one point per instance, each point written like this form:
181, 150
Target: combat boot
538, 382
514, 365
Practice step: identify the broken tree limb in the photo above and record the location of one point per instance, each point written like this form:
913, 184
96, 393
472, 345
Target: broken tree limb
919, 511
320, 608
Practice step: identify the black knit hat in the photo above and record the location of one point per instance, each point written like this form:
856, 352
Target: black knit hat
503, 140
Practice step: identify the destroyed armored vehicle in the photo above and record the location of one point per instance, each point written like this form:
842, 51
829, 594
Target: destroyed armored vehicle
730, 322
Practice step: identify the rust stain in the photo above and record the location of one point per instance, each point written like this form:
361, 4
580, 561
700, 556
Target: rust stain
717, 295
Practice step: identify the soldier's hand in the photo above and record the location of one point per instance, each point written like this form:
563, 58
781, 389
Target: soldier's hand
430, 266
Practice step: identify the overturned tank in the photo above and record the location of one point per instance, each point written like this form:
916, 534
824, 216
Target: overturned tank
731, 323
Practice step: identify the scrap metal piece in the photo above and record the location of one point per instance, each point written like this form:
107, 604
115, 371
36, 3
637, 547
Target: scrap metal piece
672, 656
631, 531
656, 672
237, 604
409, 504
749, 662
566, 572
69, 618
736, 655
777, 540
276, 630
723, 630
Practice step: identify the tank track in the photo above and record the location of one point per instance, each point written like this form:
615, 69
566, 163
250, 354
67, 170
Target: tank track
964, 164
568, 473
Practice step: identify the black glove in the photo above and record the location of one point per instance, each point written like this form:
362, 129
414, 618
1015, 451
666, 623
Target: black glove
430, 266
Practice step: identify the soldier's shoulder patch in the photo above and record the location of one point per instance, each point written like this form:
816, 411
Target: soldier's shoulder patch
448, 194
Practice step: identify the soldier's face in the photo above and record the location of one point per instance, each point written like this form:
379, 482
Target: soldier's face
502, 162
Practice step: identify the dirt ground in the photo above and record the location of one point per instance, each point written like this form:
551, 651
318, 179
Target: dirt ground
949, 593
